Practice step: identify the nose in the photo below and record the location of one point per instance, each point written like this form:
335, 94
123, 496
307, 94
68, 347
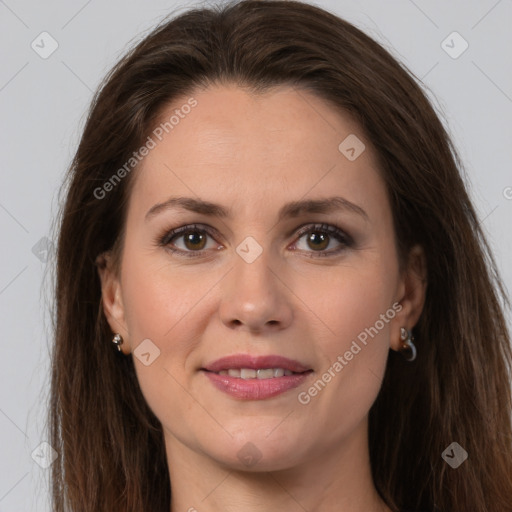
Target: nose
255, 297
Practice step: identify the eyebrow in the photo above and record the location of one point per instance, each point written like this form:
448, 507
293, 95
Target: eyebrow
292, 209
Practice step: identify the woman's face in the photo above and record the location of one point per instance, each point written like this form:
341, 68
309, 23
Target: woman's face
290, 253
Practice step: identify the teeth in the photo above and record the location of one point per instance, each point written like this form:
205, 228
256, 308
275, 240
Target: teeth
265, 374
245, 373
262, 374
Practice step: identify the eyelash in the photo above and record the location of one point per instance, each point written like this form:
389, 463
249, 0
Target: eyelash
345, 239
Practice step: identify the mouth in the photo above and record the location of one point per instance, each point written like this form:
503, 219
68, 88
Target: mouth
256, 377
260, 373
247, 366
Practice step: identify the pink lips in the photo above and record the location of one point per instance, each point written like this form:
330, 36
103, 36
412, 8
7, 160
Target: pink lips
255, 362
255, 389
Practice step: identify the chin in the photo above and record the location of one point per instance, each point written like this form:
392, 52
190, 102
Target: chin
255, 451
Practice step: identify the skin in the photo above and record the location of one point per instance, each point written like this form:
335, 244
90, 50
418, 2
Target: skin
252, 154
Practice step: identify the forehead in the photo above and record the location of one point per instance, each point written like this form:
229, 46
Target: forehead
236, 147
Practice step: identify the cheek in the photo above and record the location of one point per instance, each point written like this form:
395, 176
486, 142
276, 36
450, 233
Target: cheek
355, 306
357, 351
350, 299
166, 304
159, 306
155, 299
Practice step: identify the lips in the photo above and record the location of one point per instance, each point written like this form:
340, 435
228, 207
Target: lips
240, 361
246, 377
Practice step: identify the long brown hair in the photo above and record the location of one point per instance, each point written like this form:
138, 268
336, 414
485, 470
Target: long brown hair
111, 454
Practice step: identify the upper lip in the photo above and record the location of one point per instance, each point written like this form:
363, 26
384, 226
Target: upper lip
255, 363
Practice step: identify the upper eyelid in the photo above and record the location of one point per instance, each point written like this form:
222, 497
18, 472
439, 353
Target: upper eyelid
181, 230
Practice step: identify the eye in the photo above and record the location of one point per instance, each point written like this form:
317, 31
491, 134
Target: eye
319, 237
193, 239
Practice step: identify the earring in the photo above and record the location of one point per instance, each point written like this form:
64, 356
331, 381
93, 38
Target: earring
118, 340
408, 348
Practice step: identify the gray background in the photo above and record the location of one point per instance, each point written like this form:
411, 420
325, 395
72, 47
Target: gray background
42, 106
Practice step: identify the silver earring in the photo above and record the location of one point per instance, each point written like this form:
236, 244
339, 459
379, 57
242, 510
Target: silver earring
408, 348
118, 340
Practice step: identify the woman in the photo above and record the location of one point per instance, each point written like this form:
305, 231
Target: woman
266, 218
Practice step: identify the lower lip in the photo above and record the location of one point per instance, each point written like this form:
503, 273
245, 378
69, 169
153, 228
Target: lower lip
255, 389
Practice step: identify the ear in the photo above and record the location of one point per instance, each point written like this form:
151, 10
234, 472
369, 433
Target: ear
411, 294
112, 298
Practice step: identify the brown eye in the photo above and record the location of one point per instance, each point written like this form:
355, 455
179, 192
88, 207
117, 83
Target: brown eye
191, 240
319, 237
318, 241
194, 240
